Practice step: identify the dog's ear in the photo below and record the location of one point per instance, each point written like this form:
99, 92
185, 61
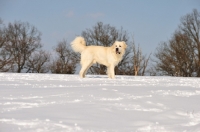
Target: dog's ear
125, 46
113, 46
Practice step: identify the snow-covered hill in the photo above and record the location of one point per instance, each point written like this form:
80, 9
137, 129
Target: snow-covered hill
66, 103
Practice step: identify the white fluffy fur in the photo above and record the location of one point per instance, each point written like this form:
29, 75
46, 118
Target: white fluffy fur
108, 56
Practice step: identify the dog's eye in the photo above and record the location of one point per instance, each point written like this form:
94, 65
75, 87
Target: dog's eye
120, 46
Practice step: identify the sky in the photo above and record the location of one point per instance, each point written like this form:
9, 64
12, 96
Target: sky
149, 21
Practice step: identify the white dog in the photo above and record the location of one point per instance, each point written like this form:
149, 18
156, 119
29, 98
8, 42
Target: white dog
108, 56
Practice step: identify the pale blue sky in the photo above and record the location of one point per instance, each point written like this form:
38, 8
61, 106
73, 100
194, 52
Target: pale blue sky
150, 21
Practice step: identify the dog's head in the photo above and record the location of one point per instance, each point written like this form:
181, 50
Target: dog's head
119, 47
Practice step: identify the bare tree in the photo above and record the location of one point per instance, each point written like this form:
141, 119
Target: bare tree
2, 39
145, 64
66, 60
138, 62
4, 56
20, 40
190, 25
180, 56
137, 59
38, 62
176, 57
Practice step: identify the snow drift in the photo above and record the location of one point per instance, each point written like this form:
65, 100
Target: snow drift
66, 103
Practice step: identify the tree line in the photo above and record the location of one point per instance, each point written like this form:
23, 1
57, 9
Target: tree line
180, 55
21, 51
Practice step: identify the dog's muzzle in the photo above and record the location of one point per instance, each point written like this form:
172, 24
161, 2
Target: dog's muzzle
117, 51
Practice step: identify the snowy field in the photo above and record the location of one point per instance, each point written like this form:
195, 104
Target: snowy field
66, 103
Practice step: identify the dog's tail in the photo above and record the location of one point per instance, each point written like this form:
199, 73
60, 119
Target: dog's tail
78, 45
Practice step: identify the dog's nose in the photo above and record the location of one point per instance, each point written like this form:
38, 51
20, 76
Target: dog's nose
117, 49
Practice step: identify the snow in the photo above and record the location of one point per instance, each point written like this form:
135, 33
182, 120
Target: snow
66, 103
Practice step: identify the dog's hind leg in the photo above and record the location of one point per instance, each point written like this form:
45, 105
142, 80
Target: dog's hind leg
84, 67
87, 69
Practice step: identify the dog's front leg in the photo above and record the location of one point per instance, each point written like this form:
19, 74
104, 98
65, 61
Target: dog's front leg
108, 72
112, 72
